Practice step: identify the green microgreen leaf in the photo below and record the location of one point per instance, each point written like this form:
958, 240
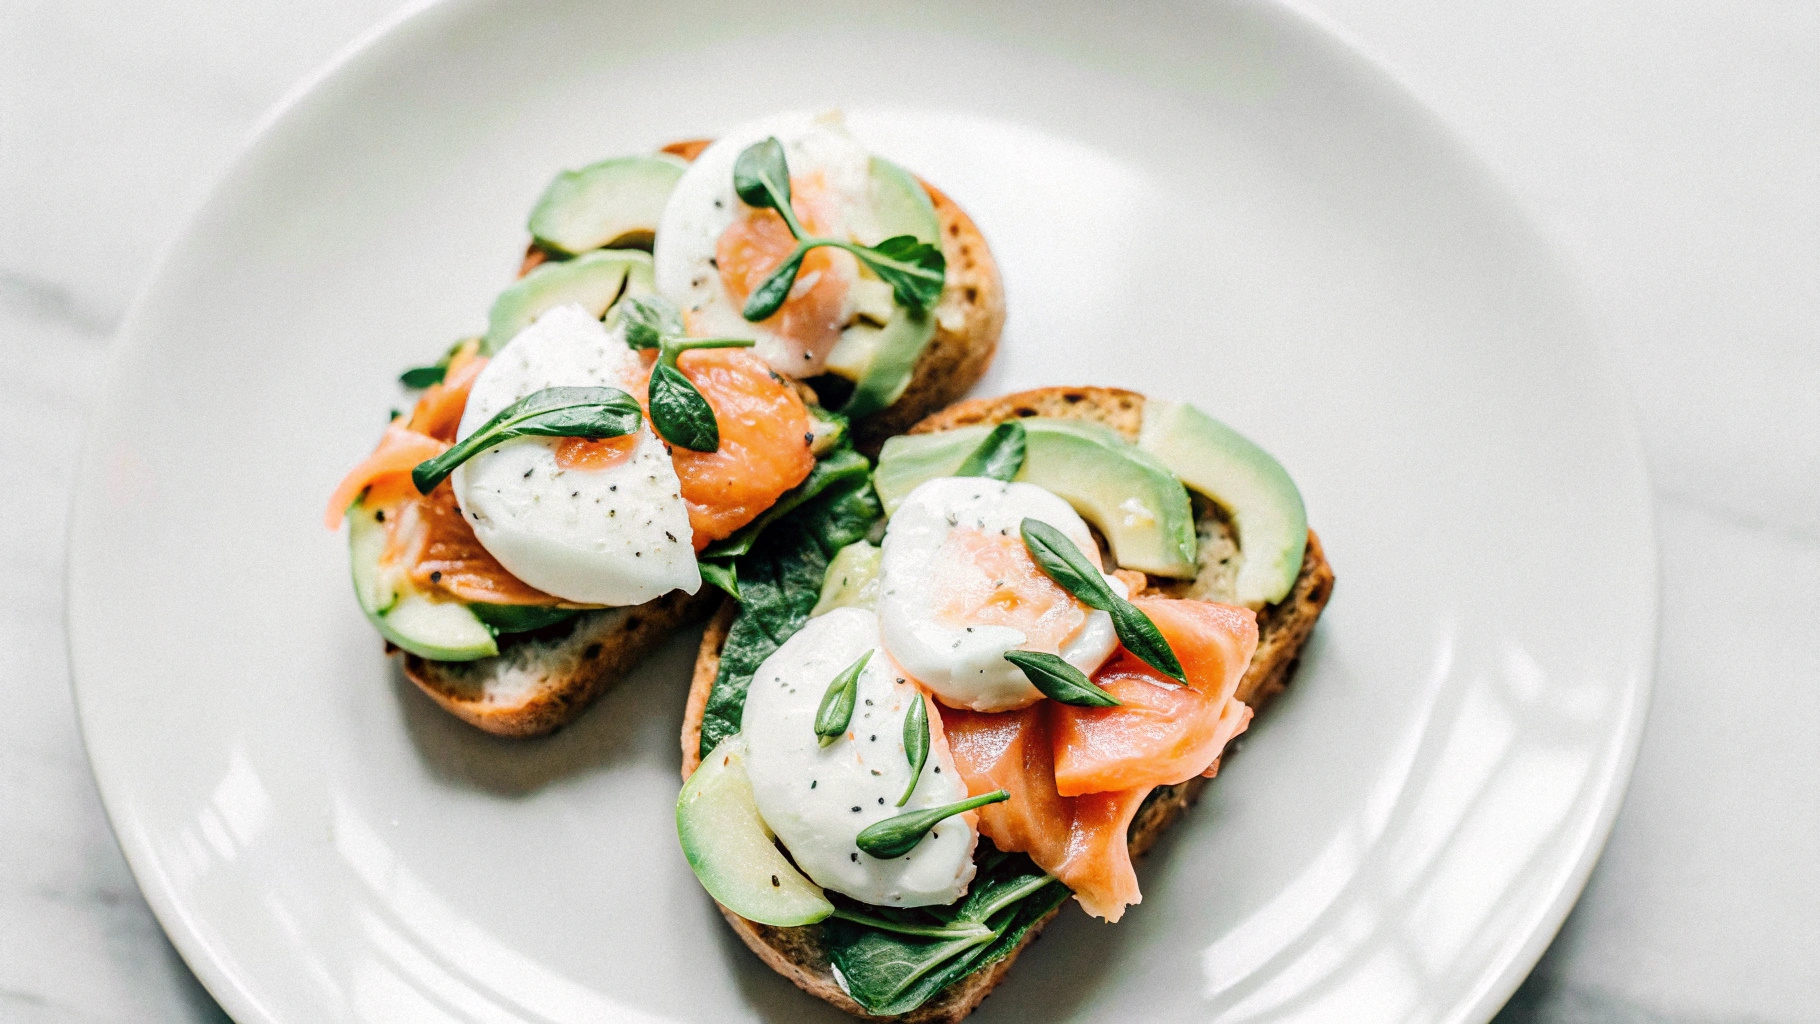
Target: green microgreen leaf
678, 411
420, 377
648, 320
1064, 563
1060, 681
897, 836
761, 176
916, 743
552, 412
836, 709
770, 294
999, 456
913, 268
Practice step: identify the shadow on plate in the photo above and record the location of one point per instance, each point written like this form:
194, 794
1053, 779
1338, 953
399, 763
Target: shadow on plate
622, 726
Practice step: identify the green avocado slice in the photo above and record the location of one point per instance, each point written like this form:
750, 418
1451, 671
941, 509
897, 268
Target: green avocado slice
1265, 505
593, 280
613, 203
1128, 494
732, 850
410, 619
880, 360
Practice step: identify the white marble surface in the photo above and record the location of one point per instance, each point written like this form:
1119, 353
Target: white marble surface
1672, 151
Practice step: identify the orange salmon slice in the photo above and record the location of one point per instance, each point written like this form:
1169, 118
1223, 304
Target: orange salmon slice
1164, 732
1078, 776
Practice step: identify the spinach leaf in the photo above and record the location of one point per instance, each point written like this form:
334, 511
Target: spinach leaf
842, 465
889, 972
780, 579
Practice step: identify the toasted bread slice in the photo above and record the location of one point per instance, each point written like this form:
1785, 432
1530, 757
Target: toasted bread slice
798, 953
539, 683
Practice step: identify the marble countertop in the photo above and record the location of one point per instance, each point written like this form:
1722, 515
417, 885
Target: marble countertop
1671, 151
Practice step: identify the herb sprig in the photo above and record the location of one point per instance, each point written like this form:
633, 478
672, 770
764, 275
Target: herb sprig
678, 411
999, 456
897, 836
551, 412
916, 743
913, 268
836, 708
1060, 681
1063, 562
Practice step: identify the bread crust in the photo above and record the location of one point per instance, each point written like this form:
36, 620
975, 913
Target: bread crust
539, 683
1283, 629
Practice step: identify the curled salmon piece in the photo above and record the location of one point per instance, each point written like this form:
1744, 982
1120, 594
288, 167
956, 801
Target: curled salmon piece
400, 450
1077, 776
1080, 840
1163, 732
430, 540
811, 319
438, 410
764, 442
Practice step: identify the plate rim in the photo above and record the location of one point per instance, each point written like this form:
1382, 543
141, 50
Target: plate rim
218, 973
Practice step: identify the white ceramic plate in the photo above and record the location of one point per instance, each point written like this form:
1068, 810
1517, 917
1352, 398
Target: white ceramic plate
1218, 203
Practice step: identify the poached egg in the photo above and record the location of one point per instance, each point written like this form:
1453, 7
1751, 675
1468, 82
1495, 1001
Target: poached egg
817, 799
599, 523
957, 589
712, 249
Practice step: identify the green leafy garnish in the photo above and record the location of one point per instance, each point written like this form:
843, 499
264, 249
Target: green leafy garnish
897, 836
916, 743
913, 268
1063, 562
421, 377
552, 412
999, 456
780, 580
894, 965
836, 709
1060, 681
679, 413
841, 466
723, 574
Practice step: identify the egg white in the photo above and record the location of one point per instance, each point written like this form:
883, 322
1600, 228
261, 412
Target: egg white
703, 205
965, 664
817, 799
614, 536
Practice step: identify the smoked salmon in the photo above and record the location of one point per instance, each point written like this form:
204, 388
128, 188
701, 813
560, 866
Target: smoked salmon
764, 442
816, 311
1078, 776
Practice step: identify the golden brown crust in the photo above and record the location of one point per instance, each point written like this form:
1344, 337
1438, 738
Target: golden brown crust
537, 685
797, 953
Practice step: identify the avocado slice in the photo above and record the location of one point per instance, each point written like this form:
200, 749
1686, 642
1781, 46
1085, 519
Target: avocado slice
881, 359
1264, 503
851, 580
1128, 494
438, 630
733, 851
593, 280
613, 203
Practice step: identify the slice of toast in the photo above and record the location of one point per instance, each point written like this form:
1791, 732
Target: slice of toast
540, 683
798, 953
